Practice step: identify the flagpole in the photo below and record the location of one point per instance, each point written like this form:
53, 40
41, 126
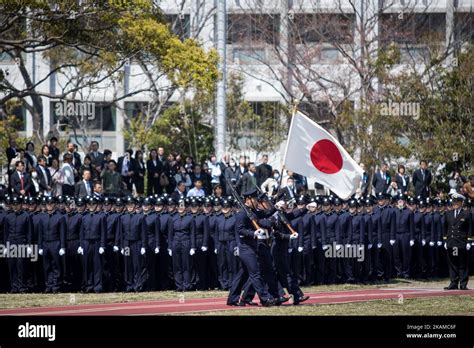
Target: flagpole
294, 108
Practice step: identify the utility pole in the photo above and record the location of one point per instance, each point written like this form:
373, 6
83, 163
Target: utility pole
221, 84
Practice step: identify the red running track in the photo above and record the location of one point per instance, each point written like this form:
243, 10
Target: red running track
160, 307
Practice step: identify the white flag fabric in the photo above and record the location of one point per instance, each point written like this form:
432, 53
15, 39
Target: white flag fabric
313, 152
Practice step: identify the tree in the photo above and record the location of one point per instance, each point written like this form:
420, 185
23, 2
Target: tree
89, 44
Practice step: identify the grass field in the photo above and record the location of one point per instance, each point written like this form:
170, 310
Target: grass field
422, 306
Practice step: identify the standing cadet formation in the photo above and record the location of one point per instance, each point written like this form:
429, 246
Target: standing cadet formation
248, 246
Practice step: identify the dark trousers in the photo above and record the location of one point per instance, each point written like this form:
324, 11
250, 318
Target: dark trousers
331, 266
308, 263
416, 260
182, 264
92, 266
17, 269
266, 268
151, 260
111, 274
319, 264
402, 255
4, 275
281, 260
139, 185
458, 263
227, 263
165, 281
134, 269
212, 270
428, 260
72, 269
200, 266
153, 186
384, 261
52, 265
250, 270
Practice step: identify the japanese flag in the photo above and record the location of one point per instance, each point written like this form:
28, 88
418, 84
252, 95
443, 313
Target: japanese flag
313, 152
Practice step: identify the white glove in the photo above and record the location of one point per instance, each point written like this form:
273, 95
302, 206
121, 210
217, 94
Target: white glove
412, 242
258, 233
294, 235
338, 246
325, 247
116, 248
236, 251
439, 243
62, 252
446, 246
29, 251
432, 244
392, 242
80, 251
157, 250
423, 242
40, 251
203, 248
300, 249
290, 250
101, 250
468, 246
142, 251
192, 251
379, 245
280, 204
262, 235
313, 247
215, 251
348, 245
369, 246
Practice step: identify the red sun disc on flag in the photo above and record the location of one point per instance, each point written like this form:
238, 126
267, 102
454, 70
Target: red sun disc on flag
326, 157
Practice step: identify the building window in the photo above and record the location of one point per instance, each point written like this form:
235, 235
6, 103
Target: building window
464, 27
322, 28
252, 29
104, 118
180, 25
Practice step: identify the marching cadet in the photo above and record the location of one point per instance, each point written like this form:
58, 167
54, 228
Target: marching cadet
245, 227
282, 236
226, 245
202, 236
330, 238
165, 280
318, 228
111, 274
152, 223
358, 240
212, 274
73, 269
458, 239
133, 239
428, 240
404, 233
52, 244
182, 239
385, 237
296, 245
91, 246
17, 231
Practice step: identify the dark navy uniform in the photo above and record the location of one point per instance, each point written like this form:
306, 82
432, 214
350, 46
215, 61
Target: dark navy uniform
91, 239
344, 225
152, 223
165, 277
52, 238
182, 238
133, 237
457, 234
318, 228
112, 276
17, 231
213, 273
428, 239
306, 236
385, 233
225, 243
405, 230
330, 237
201, 223
73, 264
358, 239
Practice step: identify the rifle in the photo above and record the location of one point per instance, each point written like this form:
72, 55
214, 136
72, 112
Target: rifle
282, 217
242, 205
